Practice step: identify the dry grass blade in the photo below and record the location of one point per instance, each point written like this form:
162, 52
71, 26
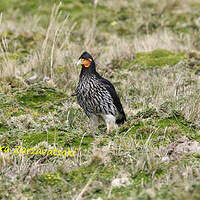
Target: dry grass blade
80, 196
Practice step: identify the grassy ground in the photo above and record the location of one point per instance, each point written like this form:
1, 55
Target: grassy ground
149, 50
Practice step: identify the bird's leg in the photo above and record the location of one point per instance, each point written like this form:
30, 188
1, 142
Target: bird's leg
109, 129
94, 124
110, 123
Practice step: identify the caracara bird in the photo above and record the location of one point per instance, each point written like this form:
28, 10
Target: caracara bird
97, 96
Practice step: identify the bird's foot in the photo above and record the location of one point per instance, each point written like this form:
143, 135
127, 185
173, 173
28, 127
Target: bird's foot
109, 130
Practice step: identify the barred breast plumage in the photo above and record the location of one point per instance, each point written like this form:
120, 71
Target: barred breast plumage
93, 97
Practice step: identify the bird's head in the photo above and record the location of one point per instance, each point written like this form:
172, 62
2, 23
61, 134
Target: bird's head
85, 60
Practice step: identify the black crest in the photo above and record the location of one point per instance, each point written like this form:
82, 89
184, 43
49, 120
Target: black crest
85, 55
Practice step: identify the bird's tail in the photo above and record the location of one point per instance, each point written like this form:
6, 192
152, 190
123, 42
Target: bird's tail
121, 120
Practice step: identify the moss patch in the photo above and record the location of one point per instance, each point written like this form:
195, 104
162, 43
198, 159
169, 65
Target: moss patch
50, 179
3, 128
37, 97
60, 139
151, 125
157, 58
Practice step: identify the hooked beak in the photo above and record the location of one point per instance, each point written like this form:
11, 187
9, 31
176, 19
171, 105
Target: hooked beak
79, 63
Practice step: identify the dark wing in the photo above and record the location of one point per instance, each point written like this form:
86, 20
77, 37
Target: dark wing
116, 100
